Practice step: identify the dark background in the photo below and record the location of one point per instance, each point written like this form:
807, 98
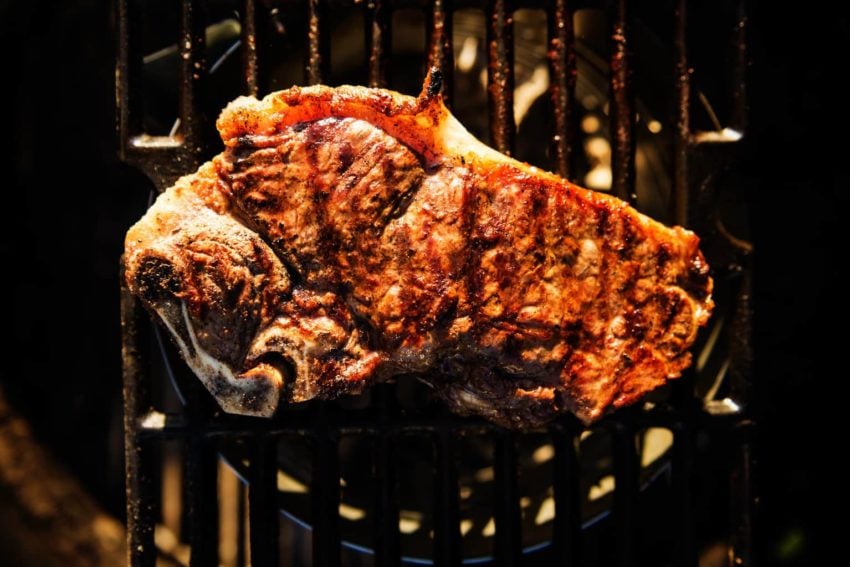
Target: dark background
67, 202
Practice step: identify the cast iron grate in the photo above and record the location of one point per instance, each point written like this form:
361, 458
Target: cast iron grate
202, 431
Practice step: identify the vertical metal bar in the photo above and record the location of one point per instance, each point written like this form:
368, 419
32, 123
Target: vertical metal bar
739, 69
447, 542
682, 134
325, 493
682, 475
200, 481
439, 48
566, 535
193, 68
262, 503
621, 103
500, 74
387, 546
742, 507
625, 494
562, 79
250, 40
202, 497
741, 338
386, 534
508, 524
318, 53
378, 41
127, 76
138, 464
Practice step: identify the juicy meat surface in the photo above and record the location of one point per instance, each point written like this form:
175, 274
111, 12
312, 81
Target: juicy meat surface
348, 235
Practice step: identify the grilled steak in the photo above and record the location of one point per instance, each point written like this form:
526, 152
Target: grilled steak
348, 235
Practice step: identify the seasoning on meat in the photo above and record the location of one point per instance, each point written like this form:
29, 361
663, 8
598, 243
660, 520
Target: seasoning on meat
348, 235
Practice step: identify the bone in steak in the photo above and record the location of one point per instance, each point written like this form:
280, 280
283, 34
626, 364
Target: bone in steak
348, 235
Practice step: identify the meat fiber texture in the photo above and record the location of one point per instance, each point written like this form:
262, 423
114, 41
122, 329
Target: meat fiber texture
350, 235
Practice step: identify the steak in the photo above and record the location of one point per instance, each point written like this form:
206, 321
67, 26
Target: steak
348, 235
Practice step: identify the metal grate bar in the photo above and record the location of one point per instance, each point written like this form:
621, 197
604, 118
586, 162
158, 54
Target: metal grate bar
507, 516
252, 36
739, 69
262, 502
318, 42
138, 464
386, 535
562, 76
193, 69
362, 421
325, 496
682, 466
439, 48
378, 41
742, 505
500, 74
566, 531
621, 103
626, 468
161, 164
355, 422
387, 546
201, 490
128, 75
447, 542
682, 132
741, 347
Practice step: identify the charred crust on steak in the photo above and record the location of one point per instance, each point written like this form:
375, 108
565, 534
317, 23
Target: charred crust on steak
433, 83
156, 279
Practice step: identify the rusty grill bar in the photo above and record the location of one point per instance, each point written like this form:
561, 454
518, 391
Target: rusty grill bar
318, 38
251, 39
682, 132
622, 103
562, 75
163, 160
378, 41
500, 75
440, 50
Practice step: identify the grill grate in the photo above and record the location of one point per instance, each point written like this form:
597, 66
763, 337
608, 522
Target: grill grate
202, 431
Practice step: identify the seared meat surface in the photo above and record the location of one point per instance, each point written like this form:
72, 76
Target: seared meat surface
350, 235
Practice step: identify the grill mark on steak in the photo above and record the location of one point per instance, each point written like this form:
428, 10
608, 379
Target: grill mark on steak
406, 247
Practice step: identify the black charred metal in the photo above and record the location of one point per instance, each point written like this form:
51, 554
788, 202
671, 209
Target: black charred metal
378, 41
500, 74
386, 540
682, 465
562, 73
565, 490
325, 491
262, 501
253, 32
318, 42
447, 543
507, 516
626, 470
622, 102
138, 461
682, 134
439, 38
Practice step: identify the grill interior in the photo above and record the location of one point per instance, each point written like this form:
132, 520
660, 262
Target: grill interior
221, 49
